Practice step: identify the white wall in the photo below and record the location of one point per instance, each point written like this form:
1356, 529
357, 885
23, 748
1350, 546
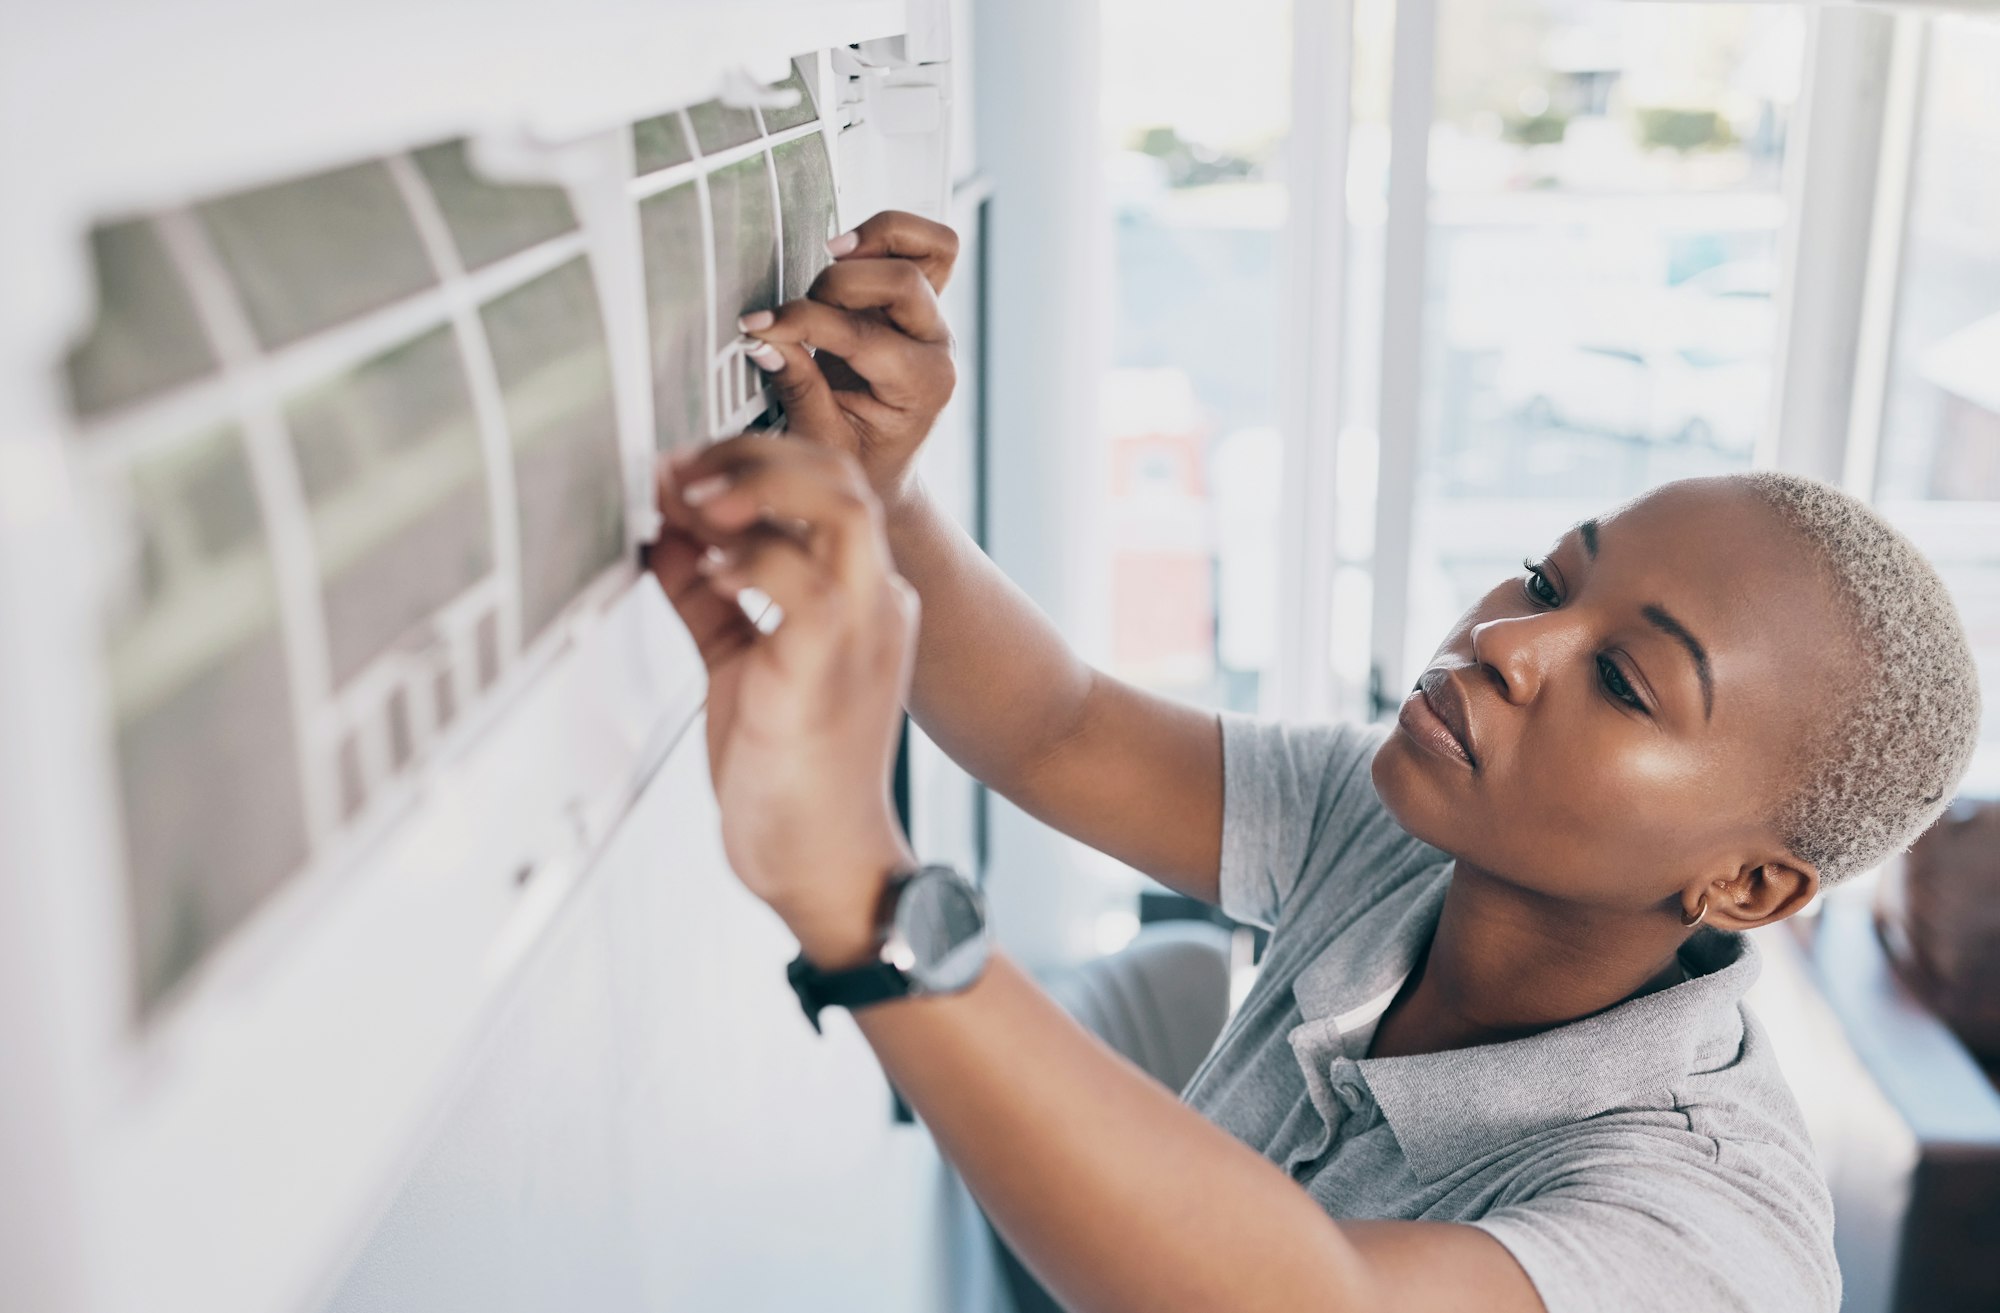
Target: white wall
652, 1125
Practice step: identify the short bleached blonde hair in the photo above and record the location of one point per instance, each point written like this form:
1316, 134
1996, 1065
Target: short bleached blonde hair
1891, 757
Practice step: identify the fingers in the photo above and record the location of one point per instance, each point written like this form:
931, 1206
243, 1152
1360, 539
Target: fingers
817, 603
825, 327
932, 247
895, 287
717, 624
797, 523
815, 494
802, 388
901, 370
773, 563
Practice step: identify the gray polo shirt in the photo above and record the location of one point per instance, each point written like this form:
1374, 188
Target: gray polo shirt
1650, 1157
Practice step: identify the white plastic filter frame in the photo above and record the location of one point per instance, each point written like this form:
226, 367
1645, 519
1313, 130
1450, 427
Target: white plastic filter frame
251, 389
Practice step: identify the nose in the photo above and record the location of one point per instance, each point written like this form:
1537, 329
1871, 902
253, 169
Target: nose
1516, 652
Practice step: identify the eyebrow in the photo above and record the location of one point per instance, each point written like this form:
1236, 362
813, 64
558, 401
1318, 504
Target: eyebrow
1666, 624
1661, 620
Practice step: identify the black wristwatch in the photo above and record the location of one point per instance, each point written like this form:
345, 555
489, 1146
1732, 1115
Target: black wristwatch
930, 931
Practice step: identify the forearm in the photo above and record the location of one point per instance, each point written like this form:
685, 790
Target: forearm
995, 683
996, 686
1115, 1193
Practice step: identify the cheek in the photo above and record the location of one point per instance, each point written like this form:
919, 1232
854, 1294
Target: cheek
1582, 807
1596, 776
1609, 806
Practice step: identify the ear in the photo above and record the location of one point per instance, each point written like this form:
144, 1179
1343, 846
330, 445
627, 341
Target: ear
1759, 895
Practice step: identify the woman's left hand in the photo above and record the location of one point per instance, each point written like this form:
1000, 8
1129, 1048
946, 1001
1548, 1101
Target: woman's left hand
803, 721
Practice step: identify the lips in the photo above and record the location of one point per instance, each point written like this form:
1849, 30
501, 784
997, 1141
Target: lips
1447, 701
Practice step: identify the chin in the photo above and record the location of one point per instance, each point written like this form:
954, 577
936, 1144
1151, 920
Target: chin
1419, 796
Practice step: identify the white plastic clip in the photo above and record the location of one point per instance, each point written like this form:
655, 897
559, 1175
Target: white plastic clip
742, 91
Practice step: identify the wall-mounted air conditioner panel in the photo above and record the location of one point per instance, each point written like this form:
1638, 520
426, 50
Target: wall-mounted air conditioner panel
329, 400
291, 88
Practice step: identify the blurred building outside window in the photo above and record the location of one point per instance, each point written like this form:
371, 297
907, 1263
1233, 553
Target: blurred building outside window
1605, 212
1195, 116
1605, 215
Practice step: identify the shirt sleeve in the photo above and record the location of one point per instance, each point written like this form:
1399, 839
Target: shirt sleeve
1285, 789
1674, 1234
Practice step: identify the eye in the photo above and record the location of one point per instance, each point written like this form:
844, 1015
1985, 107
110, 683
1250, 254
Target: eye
1617, 685
1540, 591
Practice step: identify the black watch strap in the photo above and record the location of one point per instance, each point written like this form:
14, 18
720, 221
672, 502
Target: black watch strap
857, 987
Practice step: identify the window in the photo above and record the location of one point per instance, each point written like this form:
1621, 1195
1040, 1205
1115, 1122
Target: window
1195, 115
1604, 211
1939, 461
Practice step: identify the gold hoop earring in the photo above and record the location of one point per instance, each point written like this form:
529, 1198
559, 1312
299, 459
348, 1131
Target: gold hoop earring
1700, 911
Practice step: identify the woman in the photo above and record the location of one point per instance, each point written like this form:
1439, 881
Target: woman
1496, 1057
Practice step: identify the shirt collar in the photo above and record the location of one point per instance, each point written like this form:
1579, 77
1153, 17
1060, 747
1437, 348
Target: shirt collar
1357, 965
1448, 1109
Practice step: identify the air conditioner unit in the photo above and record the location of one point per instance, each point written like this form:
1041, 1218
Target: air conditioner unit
338, 347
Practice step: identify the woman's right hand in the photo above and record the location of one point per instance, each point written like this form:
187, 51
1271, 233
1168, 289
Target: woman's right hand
864, 362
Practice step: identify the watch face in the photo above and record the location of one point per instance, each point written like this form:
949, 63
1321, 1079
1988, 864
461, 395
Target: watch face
942, 923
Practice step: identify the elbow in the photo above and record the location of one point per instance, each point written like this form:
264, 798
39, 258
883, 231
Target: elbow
1056, 740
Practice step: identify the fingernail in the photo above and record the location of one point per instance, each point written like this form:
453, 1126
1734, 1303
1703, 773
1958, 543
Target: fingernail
705, 490
843, 245
712, 560
766, 357
758, 322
